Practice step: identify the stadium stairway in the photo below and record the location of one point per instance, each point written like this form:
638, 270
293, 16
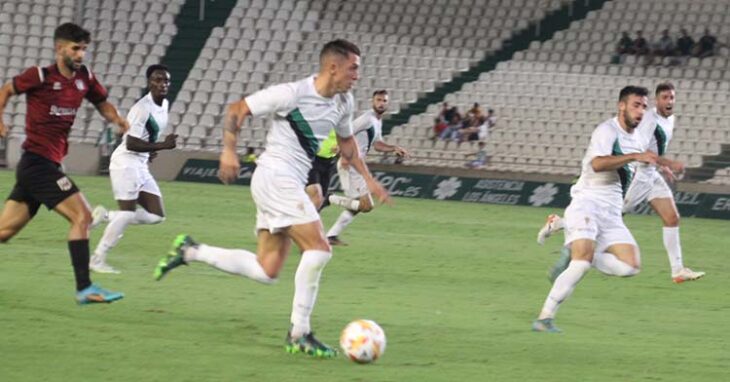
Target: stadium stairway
540, 31
710, 164
191, 37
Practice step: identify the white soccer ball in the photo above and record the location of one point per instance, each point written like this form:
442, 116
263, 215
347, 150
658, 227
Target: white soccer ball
363, 341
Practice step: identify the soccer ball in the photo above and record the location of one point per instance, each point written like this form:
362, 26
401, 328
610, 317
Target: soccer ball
363, 341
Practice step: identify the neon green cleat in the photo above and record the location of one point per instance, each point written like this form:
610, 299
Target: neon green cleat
309, 345
176, 256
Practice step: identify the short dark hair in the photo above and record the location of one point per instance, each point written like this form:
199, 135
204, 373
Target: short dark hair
71, 32
663, 87
339, 47
632, 90
151, 69
380, 92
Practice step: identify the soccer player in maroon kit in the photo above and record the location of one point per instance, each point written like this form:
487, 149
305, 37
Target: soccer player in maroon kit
54, 94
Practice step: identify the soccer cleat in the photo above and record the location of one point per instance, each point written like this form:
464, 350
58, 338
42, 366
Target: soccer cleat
99, 215
560, 265
176, 256
95, 294
334, 240
100, 266
686, 274
545, 325
553, 224
309, 345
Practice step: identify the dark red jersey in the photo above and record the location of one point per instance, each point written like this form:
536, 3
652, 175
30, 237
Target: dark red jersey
53, 101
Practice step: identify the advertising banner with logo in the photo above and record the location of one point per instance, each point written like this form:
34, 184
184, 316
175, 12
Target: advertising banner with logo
476, 190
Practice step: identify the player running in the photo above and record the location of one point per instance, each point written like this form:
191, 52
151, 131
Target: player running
594, 227
54, 94
657, 127
367, 129
129, 172
304, 113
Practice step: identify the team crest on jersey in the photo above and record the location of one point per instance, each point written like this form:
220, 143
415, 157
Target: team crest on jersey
64, 183
56, 86
80, 85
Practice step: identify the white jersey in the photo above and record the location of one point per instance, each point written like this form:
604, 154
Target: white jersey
608, 186
147, 121
657, 131
302, 119
367, 129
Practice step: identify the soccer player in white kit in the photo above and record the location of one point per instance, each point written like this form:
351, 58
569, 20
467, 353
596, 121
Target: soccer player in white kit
657, 128
304, 112
594, 227
368, 132
129, 172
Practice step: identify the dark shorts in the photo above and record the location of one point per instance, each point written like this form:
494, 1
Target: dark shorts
40, 181
321, 172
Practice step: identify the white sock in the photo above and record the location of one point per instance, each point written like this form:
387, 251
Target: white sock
673, 247
610, 265
342, 221
563, 287
141, 216
235, 261
118, 222
350, 204
306, 284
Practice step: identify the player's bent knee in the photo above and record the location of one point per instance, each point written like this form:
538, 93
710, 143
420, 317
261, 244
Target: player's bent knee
671, 221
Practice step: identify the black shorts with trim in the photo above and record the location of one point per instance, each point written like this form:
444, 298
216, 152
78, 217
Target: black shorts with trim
39, 180
321, 172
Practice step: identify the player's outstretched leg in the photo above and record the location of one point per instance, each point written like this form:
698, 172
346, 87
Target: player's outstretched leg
560, 265
552, 225
176, 256
345, 218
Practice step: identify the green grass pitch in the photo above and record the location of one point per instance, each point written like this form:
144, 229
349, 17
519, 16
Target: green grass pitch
455, 286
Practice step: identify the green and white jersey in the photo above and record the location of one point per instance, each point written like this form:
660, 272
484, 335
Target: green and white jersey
147, 121
657, 131
302, 119
367, 129
608, 186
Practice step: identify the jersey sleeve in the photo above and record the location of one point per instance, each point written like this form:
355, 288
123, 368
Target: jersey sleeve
137, 118
602, 142
378, 132
344, 128
97, 92
29, 79
276, 98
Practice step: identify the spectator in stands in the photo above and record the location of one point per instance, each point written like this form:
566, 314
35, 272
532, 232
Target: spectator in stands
439, 127
450, 113
470, 132
480, 157
452, 130
706, 45
641, 46
625, 44
489, 122
476, 111
663, 48
444, 111
685, 44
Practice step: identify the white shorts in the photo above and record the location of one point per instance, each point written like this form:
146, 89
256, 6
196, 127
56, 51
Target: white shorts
128, 182
281, 200
352, 183
586, 219
646, 186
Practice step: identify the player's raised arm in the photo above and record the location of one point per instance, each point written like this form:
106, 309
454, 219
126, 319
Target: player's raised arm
5, 92
236, 113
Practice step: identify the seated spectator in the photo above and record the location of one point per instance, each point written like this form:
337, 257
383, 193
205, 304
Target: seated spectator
685, 43
476, 111
706, 45
450, 113
487, 126
663, 48
471, 131
625, 44
438, 127
452, 130
444, 110
641, 46
480, 157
